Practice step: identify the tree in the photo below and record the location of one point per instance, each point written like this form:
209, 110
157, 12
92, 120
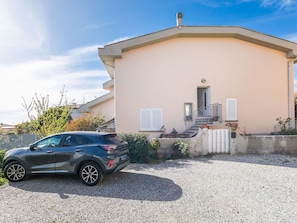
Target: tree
48, 120
86, 122
24, 128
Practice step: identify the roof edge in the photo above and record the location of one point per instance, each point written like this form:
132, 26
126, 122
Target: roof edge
115, 50
103, 98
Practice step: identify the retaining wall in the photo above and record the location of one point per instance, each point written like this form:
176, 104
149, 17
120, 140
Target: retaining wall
264, 144
259, 144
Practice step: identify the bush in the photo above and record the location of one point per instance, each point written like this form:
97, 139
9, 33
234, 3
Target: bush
2, 152
182, 147
86, 122
155, 143
2, 179
284, 126
138, 145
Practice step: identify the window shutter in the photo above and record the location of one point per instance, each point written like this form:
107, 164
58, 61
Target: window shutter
145, 119
150, 119
231, 109
156, 119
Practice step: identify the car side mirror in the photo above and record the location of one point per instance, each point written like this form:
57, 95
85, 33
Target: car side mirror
31, 146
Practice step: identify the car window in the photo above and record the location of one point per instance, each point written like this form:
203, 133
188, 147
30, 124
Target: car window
75, 140
70, 140
82, 140
111, 138
53, 141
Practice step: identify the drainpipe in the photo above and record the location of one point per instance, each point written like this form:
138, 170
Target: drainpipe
289, 93
294, 61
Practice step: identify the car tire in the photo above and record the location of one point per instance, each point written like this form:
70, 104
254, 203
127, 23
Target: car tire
15, 171
90, 174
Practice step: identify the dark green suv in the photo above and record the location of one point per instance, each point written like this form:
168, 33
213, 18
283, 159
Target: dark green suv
91, 155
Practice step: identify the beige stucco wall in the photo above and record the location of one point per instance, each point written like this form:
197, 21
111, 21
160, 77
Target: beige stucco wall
106, 109
166, 75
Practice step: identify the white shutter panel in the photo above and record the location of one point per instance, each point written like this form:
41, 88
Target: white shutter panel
145, 117
231, 109
156, 119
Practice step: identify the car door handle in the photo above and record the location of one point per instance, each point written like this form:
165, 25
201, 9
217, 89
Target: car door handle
79, 150
50, 151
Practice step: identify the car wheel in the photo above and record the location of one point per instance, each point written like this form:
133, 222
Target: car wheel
90, 174
15, 171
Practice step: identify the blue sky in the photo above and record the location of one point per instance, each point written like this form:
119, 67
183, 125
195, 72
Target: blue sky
48, 45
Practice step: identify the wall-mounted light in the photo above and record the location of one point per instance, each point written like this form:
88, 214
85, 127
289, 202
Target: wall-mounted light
203, 80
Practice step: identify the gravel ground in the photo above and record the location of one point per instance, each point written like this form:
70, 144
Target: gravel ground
221, 188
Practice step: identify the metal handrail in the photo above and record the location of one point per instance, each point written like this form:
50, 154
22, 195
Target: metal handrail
213, 112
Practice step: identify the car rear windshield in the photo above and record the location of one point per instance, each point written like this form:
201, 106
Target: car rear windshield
112, 138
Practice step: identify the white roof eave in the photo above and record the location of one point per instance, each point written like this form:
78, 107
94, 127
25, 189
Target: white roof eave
109, 52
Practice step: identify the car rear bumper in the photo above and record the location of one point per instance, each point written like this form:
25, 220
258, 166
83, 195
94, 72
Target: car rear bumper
121, 166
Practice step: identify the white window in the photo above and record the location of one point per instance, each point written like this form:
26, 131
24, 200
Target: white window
151, 119
231, 109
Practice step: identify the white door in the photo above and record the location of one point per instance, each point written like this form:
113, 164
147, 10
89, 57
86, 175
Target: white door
203, 97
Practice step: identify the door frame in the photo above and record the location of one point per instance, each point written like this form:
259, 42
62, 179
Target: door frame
203, 101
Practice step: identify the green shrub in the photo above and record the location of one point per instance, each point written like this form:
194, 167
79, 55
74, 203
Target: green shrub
2, 152
2, 179
285, 128
182, 147
138, 145
155, 143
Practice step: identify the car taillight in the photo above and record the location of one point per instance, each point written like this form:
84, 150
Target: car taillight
109, 147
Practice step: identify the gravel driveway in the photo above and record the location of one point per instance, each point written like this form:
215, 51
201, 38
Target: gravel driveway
221, 188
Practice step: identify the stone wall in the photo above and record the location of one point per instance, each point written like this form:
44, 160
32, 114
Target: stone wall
264, 144
198, 145
259, 144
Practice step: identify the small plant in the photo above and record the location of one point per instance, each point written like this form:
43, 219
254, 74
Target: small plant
2, 179
173, 131
233, 125
181, 146
2, 153
285, 128
155, 143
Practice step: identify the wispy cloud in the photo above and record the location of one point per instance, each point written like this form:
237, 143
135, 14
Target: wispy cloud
22, 34
209, 3
291, 37
278, 4
119, 40
49, 76
55, 71
97, 26
282, 4
27, 68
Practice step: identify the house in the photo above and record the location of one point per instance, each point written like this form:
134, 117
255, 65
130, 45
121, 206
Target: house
185, 76
6, 128
103, 105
